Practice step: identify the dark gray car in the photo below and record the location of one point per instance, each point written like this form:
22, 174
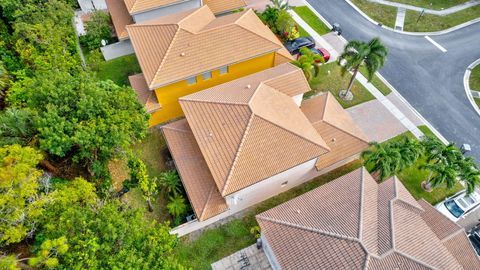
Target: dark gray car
294, 46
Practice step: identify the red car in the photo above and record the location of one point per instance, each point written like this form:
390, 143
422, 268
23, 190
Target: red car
323, 52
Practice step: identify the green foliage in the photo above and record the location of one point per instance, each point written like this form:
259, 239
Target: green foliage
16, 126
8, 262
255, 231
392, 157
4, 80
284, 24
139, 174
281, 4
80, 117
269, 17
49, 250
177, 206
98, 29
104, 234
170, 182
308, 63
20, 201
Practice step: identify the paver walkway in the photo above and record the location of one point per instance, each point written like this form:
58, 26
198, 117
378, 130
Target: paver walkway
249, 258
443, 12
400, 19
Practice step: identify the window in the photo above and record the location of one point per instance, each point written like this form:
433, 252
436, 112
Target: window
207, 75
192, 80
223, 70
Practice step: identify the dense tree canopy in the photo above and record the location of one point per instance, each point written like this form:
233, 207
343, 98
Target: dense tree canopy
20, 201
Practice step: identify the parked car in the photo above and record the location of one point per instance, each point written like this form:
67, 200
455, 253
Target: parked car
293, 46
323, 52
474, 237
459, 205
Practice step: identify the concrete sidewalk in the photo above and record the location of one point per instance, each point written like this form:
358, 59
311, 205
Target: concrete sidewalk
442, 12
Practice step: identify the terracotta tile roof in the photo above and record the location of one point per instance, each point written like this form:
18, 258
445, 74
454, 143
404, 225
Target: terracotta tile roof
196, 177
221, 6
175, 47
120, 17
138, 6
336, 127
145, 96
248, 131
384, 220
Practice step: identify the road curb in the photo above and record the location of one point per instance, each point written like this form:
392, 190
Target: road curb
442, 32
466, 85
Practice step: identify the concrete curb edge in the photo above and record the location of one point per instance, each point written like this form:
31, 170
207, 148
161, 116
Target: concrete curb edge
446, 31
466, 84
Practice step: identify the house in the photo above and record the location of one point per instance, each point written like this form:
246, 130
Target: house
125, 12
244, 141
355, 223
190, 51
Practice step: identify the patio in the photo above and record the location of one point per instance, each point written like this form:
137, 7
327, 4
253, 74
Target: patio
249, 258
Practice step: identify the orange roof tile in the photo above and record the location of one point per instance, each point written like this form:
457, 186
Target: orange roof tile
336, 127
175, 47
145, 96
380, 226
196, 177
120, 17
138, 6
248, 131
222, 6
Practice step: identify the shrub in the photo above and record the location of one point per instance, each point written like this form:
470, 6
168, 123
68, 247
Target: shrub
98, 28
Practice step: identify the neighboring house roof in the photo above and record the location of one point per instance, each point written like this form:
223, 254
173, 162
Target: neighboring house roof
355, 223
196, 177
175, 47
138, 6
336, 127
248, 131
120, 17
222, 6
145, 96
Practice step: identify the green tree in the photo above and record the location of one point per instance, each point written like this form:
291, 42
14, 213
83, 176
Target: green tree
469, 174
148, 185
284, 24
269, 17
309, 63
104, 234
170, 182
48, 253
8, 262
281, 4
16, 126
20, 202
410, 151
176, 206
80, 118
357, 53
440, 174
4, 80
98, 29
383, 159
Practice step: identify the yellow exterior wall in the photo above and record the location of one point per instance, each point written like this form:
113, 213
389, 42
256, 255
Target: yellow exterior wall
168, 95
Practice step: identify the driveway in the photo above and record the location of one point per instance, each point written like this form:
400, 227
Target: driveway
431, 80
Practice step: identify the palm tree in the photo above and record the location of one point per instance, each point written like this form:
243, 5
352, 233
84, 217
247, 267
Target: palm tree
469, 174
384, 159
170, 182
309, 63
440, 174
4, 79
357, 53
281, 4
410, 151
176, 206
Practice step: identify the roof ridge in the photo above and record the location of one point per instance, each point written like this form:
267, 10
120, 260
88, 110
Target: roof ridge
190, 14
294, 133
414, 259
165, 56
297, 226
401, 201
460, 230
362, 197
392, 226
174, 129
342, 130
249, 11
396, 181
206, 201
183, 99
237, 154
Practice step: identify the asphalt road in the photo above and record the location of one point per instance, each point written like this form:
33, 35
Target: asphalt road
431, 80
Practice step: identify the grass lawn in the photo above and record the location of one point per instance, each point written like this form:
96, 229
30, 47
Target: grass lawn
475, 78
432, 4
477, 100
302, 31
383, 14
117, 69
335, 82
151, 150
431, 23
311, 19
426, 131
214, 244
376, 82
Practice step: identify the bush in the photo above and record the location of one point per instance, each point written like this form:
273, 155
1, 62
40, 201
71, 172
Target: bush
98, 28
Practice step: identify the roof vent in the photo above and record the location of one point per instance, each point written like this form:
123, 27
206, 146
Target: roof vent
334, 140
249, 86
182, 54
210, 134
298, 211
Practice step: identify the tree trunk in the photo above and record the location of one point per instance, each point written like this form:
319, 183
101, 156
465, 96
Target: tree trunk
352, 80
49, 166
150, 206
